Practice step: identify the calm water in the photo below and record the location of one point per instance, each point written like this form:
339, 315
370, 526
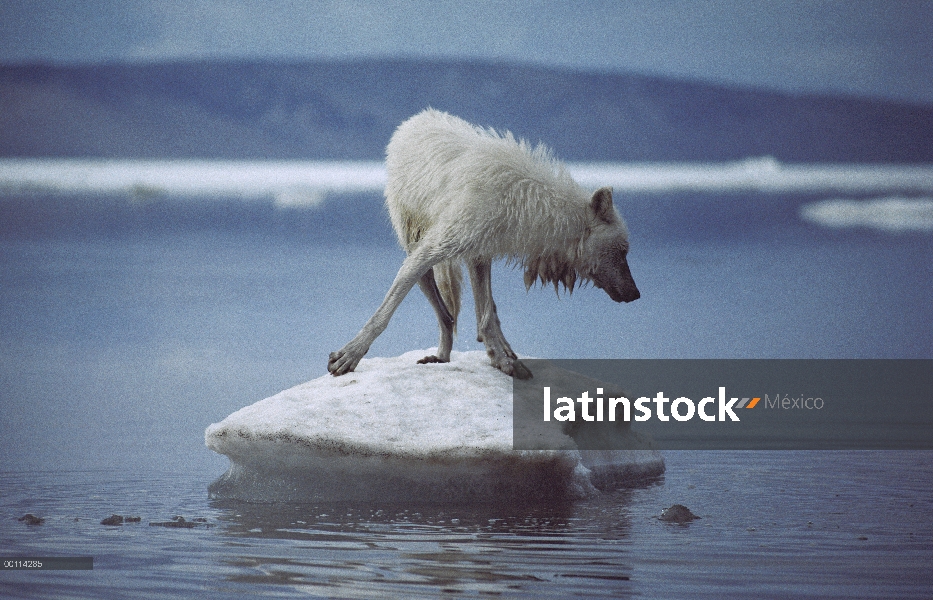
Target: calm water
126, 327
774, 525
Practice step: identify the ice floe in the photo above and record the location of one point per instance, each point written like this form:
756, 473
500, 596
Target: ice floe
394, 430
893, 214
306, 184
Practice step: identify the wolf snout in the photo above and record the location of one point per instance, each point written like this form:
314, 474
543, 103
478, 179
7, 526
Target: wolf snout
619, 291
625, 295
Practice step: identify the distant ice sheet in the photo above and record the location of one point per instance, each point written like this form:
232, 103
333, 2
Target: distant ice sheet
396, 430
894, 214
287, 183
306, 183
756, 174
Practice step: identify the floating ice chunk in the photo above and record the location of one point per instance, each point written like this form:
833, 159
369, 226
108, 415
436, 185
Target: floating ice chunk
894, 214
394, 430
299, 197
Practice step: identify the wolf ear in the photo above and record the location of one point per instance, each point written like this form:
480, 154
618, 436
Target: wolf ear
601, 203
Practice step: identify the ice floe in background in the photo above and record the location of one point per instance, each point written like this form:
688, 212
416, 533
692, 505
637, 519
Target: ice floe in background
764, 174
286, 183
893, 214
394, 430
306, 183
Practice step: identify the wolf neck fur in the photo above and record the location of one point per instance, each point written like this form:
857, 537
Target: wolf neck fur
563, 261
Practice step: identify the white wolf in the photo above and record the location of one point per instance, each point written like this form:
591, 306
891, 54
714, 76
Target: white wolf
459, 193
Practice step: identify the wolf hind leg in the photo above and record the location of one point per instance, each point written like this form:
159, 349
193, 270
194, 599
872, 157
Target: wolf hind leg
446, 322
488, 328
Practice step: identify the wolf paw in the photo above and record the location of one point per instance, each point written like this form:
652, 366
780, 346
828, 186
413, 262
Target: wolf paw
431, 359
342, 362
520, 371
509, 364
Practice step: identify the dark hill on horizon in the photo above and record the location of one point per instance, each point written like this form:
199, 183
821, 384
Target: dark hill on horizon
348, 110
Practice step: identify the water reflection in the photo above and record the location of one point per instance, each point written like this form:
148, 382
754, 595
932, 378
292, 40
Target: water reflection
572, 550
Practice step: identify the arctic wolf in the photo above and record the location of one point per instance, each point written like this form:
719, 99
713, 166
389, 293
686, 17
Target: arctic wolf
457, 193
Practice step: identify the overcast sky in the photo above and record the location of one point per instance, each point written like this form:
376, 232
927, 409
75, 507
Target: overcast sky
881, 48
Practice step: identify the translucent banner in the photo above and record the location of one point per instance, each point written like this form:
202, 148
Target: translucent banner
724, 404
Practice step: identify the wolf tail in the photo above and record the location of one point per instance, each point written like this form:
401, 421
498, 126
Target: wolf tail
449, 276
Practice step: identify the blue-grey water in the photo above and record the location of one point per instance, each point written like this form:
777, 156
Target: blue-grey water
129, 325
773, 525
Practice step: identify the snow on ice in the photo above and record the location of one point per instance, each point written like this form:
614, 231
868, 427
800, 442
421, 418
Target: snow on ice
394, 430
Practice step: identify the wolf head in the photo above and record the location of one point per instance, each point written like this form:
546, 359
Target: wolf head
599, 256
606, 249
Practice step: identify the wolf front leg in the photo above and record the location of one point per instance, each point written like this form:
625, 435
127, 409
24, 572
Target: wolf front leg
488, 329
415, 266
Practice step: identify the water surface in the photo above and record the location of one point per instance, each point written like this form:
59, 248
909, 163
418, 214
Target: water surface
127, 325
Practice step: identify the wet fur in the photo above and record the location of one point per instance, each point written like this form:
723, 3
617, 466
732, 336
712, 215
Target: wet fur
459, 194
